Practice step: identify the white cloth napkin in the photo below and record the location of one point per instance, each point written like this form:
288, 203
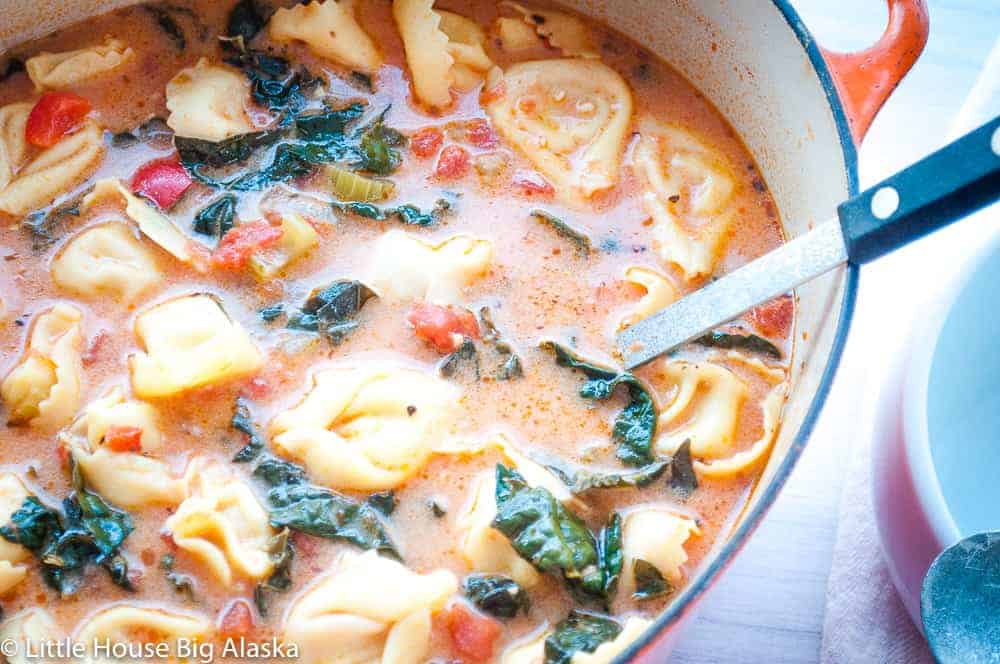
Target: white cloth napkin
865, 620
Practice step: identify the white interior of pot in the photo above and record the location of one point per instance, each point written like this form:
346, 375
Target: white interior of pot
757, 74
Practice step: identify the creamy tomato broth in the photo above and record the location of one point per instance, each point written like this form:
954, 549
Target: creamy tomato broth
308, 316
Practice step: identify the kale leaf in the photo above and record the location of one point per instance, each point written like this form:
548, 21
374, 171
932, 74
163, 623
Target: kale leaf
245, 21
182, 583
410, 215
682, 476
330, 311
610, 553
281, 552
748, 342
496, 594
377, 147
580, 479
581, 631
243, 422
384, 501
649, 583
464, 362
509, 367
271, 313
47, 228
277, 472
217, 218
635, 425
581, 241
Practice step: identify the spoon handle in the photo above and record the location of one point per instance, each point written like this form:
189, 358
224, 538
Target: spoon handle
949, 184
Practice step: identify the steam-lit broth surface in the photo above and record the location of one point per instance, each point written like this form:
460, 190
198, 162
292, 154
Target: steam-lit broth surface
586, 190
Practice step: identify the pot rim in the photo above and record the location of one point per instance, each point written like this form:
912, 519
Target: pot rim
692, 593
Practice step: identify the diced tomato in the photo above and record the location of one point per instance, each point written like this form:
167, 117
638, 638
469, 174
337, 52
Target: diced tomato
493, 93
123, 439
445, 327
237, 619
55, 115
773, 319
62, 453
473, 635
162, 180
481, 134
453, 163
531, 182
239, 244
95, 347
426, 142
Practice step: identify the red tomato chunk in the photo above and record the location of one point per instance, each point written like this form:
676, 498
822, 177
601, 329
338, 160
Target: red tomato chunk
426, 142
124, 439
453, 163
445, 327
481, 134
473, 635
55, 115
239, 244
237, 619
774, 318
531, 182
163, 181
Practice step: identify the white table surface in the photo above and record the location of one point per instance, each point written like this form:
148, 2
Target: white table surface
769, 606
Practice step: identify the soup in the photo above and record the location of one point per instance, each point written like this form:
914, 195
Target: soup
308, 319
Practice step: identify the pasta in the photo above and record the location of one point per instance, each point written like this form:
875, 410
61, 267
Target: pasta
515, 35
298, 238
125, 623
32, 626
13, 146
657, 535
368, 609
466, 41
366, 427
567, 33
658, 293
189, 342
221, 523
427, 52
405, 267
12, 495
44, 389
208, 102
64, 70
330, 29
106, 260
569, 117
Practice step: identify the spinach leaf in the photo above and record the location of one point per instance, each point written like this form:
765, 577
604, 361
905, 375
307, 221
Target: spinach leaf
581, 241
410, 215
281, 552
196, 153
580, 479
243, 422
496, 594
245, 21
326, 513
153, 132
182, 583
464, 362
277, 472
635, 426
384, 501
610, 553
649, 583
47, 228
377, 147
546, 534
748, 342
168, 25
330, 311
682, 477
509, 367
217, 218
273, 83
271, 313
581, 631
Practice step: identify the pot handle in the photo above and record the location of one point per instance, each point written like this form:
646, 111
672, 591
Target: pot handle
865, 79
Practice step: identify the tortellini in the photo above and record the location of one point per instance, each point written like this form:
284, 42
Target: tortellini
106, 261
12, 495
33, 626
64, 70
656, 535
52, 172
124, 623
298, 238
528, 651
466, 45
44, 389
209, 102
514, 35
658, 292
367, 427
368, 609
567, 33
13, 145
222, 524
706, 406
570, 118
330, 29
189, 342
126, 478
408, 268
689, 188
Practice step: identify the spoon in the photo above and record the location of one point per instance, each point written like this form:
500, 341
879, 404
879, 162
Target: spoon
960, 601
951, 183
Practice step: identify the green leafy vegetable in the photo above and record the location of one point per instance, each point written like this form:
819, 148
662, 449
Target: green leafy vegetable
217, 218
496, 594
153, 132
748, 342
271, 313
245, 21
377, 147
182, 583
47, 228
580, 479
509, 366
610, 553
363, 80
581, 631
580, 240
243, 422
384, 501
682, 477
281, 552
410, 215
273, 83
277, 472
463, 363
635, 426
168, 25
649, 583
196, 153
330, 311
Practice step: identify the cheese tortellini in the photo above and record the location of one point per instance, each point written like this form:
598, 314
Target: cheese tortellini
368, 609
44, 389
124, 623
64, 70
408, 268
567, 33
330, 29
106, 260
126, 478
12, 495
706, 408
656, 535
189, 342
367, 427
33, 626
34, 183
658, 293
570, 118
222, 524
689, 188
209, 102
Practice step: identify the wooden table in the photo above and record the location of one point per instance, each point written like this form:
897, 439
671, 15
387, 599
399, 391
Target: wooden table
769, 606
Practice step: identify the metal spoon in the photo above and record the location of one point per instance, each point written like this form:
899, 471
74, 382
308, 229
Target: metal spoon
960, 601
955, 181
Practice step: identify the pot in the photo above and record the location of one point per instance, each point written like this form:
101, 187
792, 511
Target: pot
801, 111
